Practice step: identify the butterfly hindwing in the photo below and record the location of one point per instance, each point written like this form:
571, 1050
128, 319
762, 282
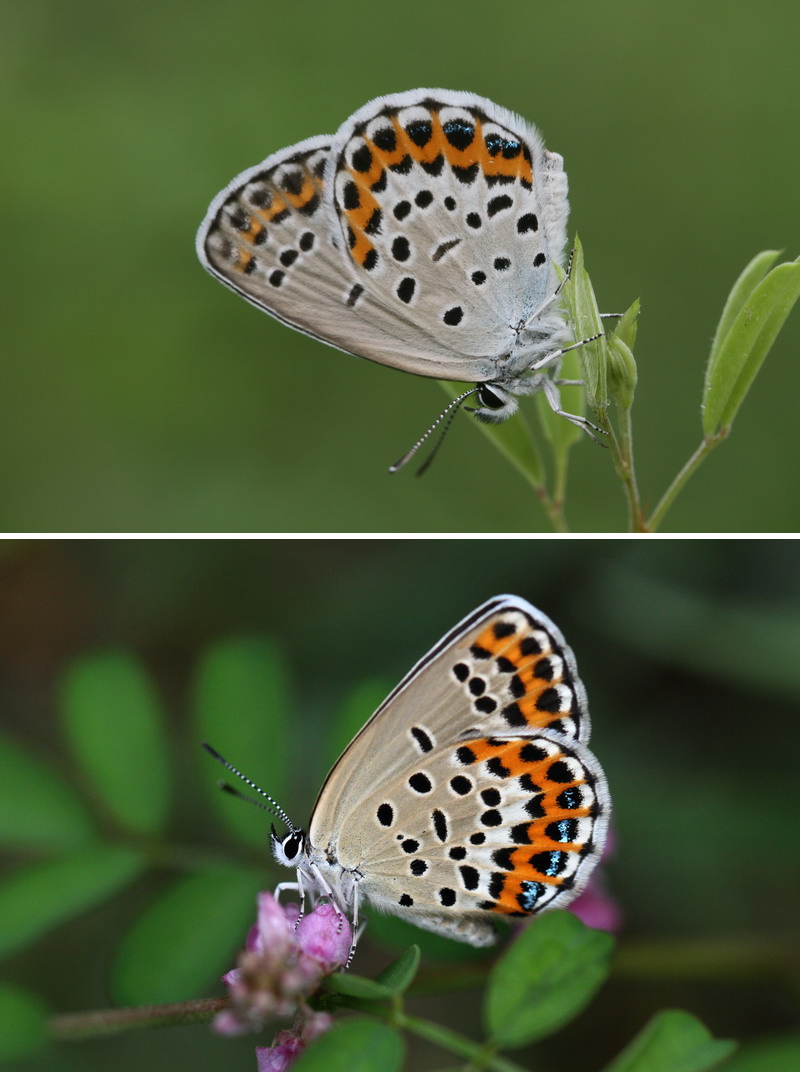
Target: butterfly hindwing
453, 215
491, 825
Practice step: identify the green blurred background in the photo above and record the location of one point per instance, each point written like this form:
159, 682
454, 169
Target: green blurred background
140, 395
689, 653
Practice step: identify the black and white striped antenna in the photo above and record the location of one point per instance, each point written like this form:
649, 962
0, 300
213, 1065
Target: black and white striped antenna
276, 809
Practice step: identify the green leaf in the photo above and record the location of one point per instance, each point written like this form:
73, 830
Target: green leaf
39, 810
116, 727
357, 986
585, 321
742, 289
628, 324
741, 352
545, 978
355, 1045
243, 707
767, 1055
23, 1023
512, 438
399, 975
673, 1041
189, 935
36, 898
353, 712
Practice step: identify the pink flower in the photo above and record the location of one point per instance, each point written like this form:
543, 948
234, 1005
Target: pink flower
282, 964
288, 1044
277, 1057
325, 935
595, 906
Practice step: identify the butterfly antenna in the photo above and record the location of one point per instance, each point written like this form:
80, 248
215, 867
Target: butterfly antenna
226, 787
435, 448
276, 809
449, 411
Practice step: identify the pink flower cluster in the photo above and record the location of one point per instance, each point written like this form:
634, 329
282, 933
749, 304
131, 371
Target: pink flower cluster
282, 965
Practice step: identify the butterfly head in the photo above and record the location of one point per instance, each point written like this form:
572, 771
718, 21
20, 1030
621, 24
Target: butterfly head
497, 404
289, 849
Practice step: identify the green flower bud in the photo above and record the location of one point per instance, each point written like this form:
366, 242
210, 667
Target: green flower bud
622, 373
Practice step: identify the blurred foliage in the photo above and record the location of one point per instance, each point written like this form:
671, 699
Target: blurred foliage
282, 649
139, 395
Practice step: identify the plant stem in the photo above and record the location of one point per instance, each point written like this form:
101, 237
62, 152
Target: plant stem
677, 485
622, 455
554, 508
478, 1053
627, 472
725, 959
82, 1025
560, 486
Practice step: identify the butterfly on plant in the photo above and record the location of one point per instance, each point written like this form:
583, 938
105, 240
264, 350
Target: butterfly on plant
470, 794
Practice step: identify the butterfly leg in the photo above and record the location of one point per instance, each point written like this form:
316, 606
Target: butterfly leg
334, 896
548, 359
554, 400
356, 929
276, 893
298, 886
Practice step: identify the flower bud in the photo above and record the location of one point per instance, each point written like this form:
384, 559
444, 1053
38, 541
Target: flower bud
622, 373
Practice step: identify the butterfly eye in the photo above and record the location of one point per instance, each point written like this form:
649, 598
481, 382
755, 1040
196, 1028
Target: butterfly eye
490, 397
292, 844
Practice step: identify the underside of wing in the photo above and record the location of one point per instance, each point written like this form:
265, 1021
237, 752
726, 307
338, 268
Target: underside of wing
421, 236
505, 670
271, 237
453, 214
504, 826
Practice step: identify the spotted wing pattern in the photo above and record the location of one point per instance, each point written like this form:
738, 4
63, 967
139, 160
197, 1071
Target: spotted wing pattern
420, 236
520, 675
471, 790
491, 825
451, 206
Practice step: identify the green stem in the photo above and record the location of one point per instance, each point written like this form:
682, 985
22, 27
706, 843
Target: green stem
622, 455
677, 485
554, 508
481, 1056
726, 959
560, 486
627, 472
82, 1025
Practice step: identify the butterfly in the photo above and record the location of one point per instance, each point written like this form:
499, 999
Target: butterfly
470, 794
426, 234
